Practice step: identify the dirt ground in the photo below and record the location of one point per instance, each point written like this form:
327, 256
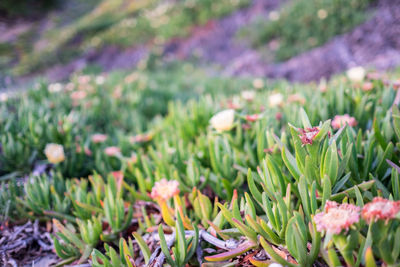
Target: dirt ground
373, 44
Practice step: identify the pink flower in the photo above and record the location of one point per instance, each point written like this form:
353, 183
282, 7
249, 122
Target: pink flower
367, 86
307, 135
297, 98
78, 95
112, 151
342, 120
337, 217
119, 175
252, 118
165, 189
99, 138
380, 209
140, 138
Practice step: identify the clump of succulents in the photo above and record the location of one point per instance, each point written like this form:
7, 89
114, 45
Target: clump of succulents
291, 176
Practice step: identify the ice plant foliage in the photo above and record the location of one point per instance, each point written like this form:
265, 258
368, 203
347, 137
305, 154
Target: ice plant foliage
342, 120
307, 135
380, 209
54, 153
336, 218
223, 121
164, 189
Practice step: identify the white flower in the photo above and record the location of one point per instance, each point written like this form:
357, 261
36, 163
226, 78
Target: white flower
248, 95
356, 74
55, 87
223, 121
3, 97
100, 80
275, 100
274, 15
54, 153
275, 265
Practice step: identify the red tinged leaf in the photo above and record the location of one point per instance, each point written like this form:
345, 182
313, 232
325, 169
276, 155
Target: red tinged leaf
244, 247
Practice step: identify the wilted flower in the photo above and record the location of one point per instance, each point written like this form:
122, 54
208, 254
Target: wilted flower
55, 87
380, 209
275, 100
165, 189
112, 151
356, 74
258, 83
341, 120
337, 217
99, 138
223, 120
307, 135
54, 153
367, 86
297, 98
252, 118
248, 95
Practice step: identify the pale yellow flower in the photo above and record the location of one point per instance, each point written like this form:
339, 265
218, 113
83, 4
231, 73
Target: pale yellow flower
54, 153
223, 121
248, 95
275, 100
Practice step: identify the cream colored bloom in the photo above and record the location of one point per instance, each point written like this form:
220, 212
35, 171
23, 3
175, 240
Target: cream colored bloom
356, 74
275, 100
223, 121
322, 14
3, 97
258, 83
248, 95
165, 189
55, 87
100, 80
54, 153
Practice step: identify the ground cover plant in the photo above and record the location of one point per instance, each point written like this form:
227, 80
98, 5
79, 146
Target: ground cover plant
232, 172
301, 25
